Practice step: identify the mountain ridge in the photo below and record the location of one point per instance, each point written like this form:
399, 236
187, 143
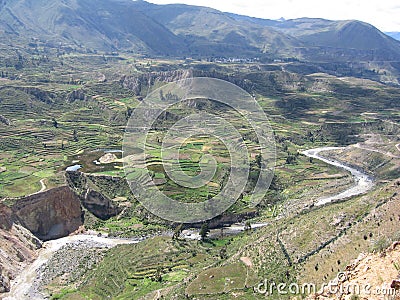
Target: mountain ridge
177, 30
394, 34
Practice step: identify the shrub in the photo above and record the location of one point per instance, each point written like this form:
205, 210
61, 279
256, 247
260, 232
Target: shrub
380, 245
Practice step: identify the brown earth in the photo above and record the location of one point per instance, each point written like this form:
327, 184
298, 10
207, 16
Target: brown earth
18, 248
370, 276
51, 214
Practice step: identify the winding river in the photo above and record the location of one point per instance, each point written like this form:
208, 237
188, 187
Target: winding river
362, 181
22, 286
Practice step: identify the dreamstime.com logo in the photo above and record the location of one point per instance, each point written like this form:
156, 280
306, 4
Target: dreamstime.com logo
338, 286
144, 124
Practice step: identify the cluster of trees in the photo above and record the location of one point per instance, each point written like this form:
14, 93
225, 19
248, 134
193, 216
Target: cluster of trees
204, 231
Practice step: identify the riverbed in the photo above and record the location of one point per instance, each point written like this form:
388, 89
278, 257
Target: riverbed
23, 286
362, 181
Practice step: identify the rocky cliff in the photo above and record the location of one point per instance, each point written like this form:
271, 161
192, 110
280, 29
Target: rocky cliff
18, 247
142, 84
96, 201
372, 276
51, 214
43, 216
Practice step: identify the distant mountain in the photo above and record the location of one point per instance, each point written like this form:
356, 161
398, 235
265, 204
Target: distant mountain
185, 30
97, 24
337, 34
395, 35
354, 38
218, 33
118, 25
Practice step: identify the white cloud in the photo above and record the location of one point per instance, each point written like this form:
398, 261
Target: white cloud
380, 13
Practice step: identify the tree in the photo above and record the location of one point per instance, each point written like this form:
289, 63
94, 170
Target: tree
55, 123
247, 226
177, 232
158, 274
276, 183
204, 231
259, 160
162, 95
75, 134
129, 112
291, 158
222, 253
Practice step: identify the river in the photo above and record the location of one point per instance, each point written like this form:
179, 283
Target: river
362, 181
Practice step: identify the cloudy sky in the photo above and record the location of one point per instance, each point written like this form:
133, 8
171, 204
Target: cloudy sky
384, 14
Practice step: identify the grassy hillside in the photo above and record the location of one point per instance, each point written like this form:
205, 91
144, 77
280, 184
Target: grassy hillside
183, 30
111, 26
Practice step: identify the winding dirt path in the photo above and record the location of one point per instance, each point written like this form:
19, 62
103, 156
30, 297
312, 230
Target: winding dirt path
377, 151
43, 185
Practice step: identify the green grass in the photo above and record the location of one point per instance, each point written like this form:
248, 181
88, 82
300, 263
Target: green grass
130, 271
223, 279
62, 294
44, 173
20, 187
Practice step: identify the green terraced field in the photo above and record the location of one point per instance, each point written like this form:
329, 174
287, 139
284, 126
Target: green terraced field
70, 117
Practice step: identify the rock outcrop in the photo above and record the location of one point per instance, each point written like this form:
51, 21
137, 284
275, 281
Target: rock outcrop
51, 214
5, 121
145, 81
99, 205
226, 219
93, 198
18, 247
6, 217
372, 276
77, 95
43, 216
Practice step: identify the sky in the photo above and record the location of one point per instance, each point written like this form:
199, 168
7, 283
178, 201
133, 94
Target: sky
384, 14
